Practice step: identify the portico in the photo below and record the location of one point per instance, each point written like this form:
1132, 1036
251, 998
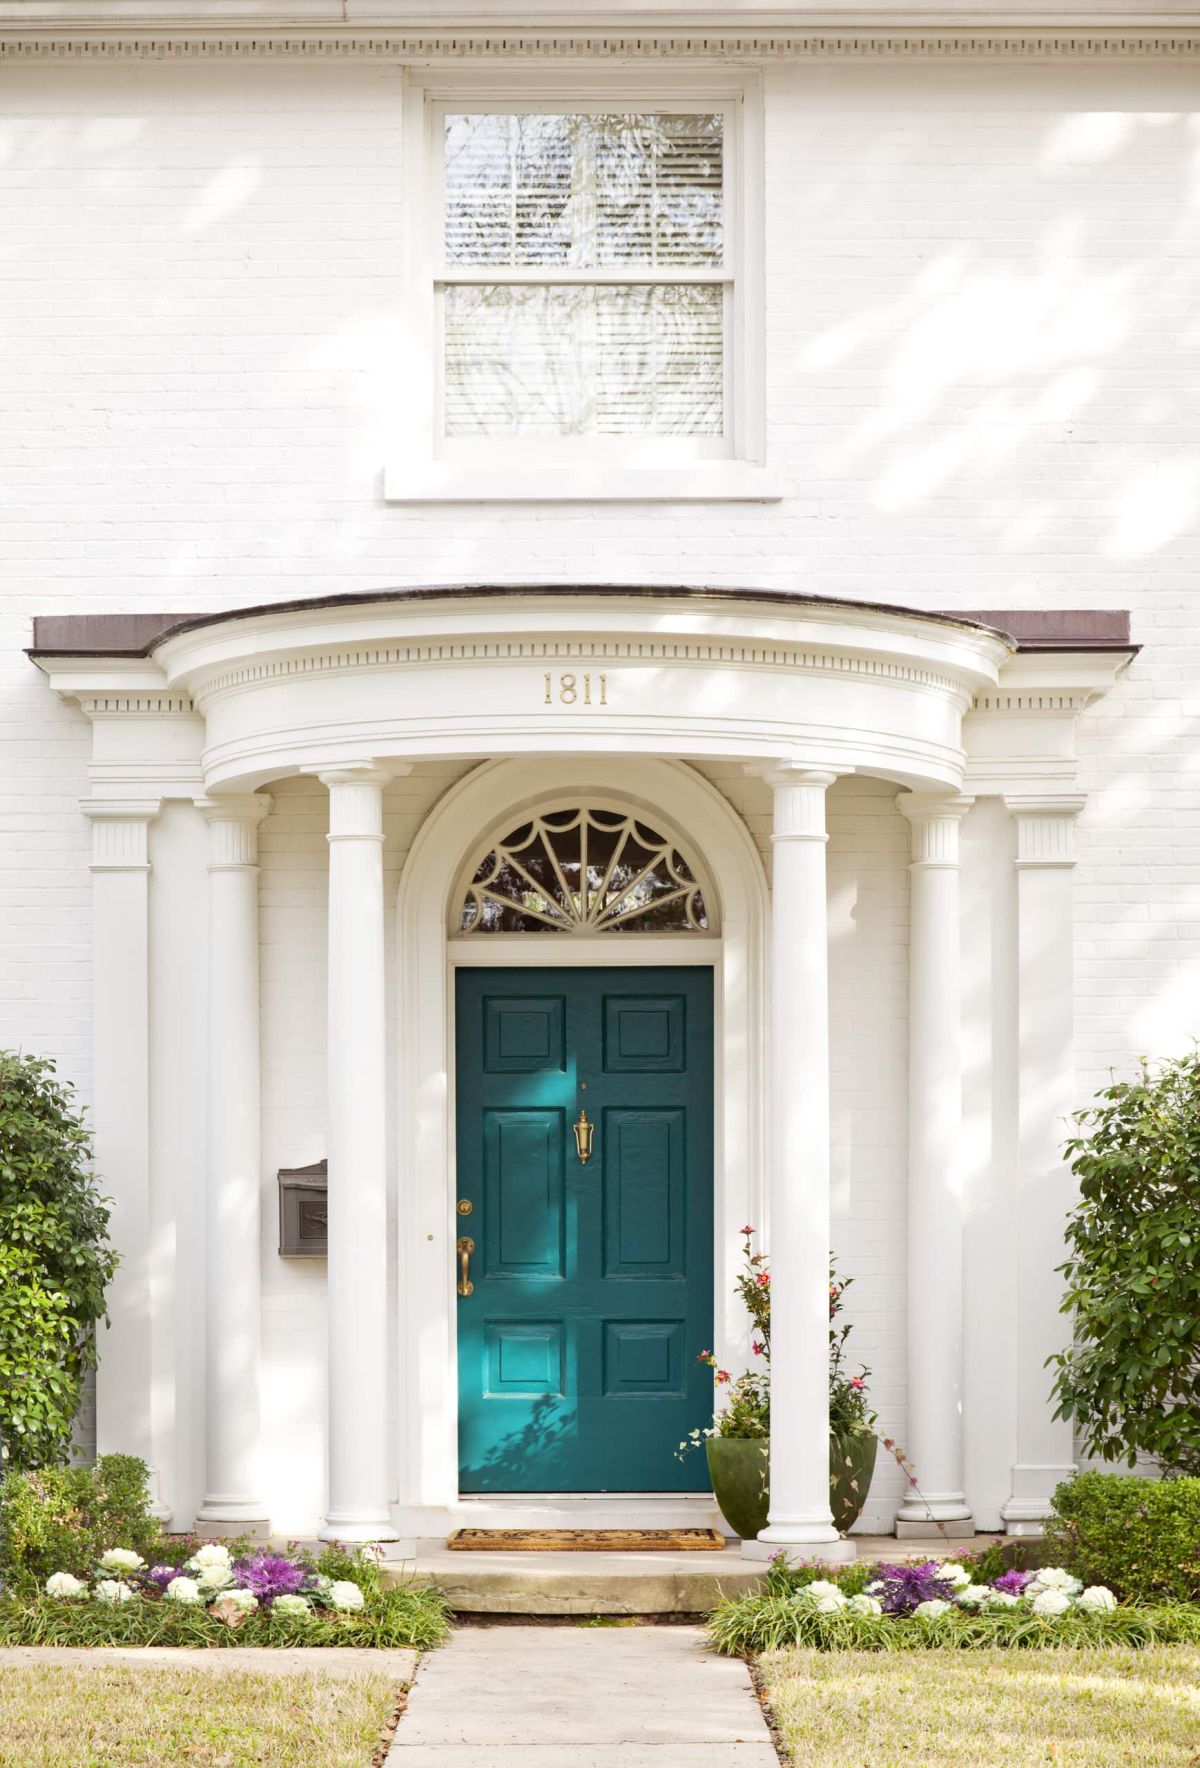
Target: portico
657, 703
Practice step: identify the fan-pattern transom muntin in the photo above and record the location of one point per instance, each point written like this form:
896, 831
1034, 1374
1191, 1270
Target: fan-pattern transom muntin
584, 870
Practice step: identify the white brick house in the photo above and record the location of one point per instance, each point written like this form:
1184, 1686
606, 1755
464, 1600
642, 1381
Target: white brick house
795, 409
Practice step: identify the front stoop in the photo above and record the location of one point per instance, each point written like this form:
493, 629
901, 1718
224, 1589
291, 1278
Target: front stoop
579, 1583
617, 1583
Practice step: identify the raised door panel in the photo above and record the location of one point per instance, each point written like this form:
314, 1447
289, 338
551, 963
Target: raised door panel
644, 1202
523, 1193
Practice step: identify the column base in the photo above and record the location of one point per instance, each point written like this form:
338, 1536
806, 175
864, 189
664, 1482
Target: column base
957, 1528
227, 1518
1032, 1500
372, 1529
836, 1552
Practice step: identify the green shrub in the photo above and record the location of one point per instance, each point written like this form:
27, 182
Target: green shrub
55, 1261
1141, 1537
1131, 1378
61, 1519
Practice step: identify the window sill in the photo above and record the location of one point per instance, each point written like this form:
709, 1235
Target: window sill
713, 481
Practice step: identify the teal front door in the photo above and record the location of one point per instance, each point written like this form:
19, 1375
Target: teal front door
591, 1278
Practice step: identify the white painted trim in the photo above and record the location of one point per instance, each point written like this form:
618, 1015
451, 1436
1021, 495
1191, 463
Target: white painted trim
721, 481
429, 468
428, 1409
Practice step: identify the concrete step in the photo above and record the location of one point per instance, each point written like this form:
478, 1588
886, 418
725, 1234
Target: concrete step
616, 1583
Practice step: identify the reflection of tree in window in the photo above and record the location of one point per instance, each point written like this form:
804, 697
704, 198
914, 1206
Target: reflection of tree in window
584, 870
568, 194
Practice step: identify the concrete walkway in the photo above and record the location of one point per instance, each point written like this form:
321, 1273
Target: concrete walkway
581, 1697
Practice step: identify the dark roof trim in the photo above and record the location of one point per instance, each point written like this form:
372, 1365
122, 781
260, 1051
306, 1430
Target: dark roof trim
138, 635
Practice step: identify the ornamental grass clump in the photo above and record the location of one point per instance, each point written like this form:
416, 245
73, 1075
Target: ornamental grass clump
938, 1605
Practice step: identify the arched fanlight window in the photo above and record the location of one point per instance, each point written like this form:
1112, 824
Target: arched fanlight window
584, 870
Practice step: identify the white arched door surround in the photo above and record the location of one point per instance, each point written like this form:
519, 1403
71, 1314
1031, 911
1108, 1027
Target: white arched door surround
675, 796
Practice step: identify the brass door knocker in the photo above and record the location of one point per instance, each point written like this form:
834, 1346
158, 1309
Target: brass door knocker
584, 1132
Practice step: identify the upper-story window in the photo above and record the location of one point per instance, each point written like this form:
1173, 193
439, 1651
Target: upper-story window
587, 286
584, 308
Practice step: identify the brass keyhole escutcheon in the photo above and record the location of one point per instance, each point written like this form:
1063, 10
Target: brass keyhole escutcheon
465, 1206
464, 1248
584, 1132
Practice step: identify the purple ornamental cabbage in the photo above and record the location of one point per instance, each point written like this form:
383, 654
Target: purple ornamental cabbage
906, 1586
160, 1575
1013, 1583
270, 1574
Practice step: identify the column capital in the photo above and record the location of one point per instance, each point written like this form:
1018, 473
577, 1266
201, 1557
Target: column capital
121, 832
366, 772
799, 798
233, 823
1045, 826
933, 819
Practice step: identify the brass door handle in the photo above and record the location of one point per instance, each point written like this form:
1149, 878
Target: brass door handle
465, 1247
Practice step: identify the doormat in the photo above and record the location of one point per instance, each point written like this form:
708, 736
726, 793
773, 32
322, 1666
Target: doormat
587, 1541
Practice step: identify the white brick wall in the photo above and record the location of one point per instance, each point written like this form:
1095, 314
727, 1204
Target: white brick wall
982, 373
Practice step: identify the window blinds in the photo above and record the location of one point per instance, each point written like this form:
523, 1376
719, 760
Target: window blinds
568, 194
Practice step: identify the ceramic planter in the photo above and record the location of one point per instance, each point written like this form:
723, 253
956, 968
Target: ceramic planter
738, 1468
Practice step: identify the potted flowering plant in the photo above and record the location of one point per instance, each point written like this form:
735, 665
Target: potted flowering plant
737, 1443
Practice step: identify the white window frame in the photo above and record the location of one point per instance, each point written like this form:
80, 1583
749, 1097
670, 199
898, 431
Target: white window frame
426, 467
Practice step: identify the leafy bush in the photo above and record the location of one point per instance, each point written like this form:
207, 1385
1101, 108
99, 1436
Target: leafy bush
55, 1261
61, 1519
1141, 1537
1132, 1378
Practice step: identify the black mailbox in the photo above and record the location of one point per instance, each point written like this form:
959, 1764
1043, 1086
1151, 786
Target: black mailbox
303, 1215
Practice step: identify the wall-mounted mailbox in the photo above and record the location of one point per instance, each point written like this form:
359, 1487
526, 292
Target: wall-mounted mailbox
303, 1215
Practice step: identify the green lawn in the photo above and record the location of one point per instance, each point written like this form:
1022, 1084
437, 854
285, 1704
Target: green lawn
1002, 1709
119, 1717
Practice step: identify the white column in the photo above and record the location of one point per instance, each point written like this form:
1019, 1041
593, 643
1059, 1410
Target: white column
233, 1302
935, 1226
800, 1519
359, 1482
121, 1119
1045, 1099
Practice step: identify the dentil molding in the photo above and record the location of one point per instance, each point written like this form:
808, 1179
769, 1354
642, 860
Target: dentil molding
57, 42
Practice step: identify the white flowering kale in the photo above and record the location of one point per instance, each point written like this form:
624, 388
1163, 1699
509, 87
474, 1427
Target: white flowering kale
345, 1595
64, 1584
215, 1577
110, 1590
120, 1559
865, 1604
246, 1600
1097, 1599
931, 1609
183, 1590
1051, 1603
1053, 1577
212, 1553
974, 1595
290, 1605
952, 1573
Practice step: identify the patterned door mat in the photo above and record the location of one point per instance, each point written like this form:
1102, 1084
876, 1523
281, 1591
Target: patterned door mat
587, 1541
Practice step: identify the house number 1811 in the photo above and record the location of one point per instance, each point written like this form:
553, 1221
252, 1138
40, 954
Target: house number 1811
575, 690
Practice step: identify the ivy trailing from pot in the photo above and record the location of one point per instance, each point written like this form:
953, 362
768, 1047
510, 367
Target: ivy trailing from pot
737, 1443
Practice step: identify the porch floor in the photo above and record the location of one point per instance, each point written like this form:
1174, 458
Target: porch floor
618, 1583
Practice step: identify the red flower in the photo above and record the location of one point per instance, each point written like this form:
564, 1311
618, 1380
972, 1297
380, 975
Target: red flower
702, 1356
762, 1279
856, 1381
723, 1376
758, 1349
747, 1230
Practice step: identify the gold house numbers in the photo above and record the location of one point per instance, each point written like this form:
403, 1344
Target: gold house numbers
575, 688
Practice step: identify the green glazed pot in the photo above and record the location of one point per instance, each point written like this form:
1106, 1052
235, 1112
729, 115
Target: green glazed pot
738, 1468
851, 1465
